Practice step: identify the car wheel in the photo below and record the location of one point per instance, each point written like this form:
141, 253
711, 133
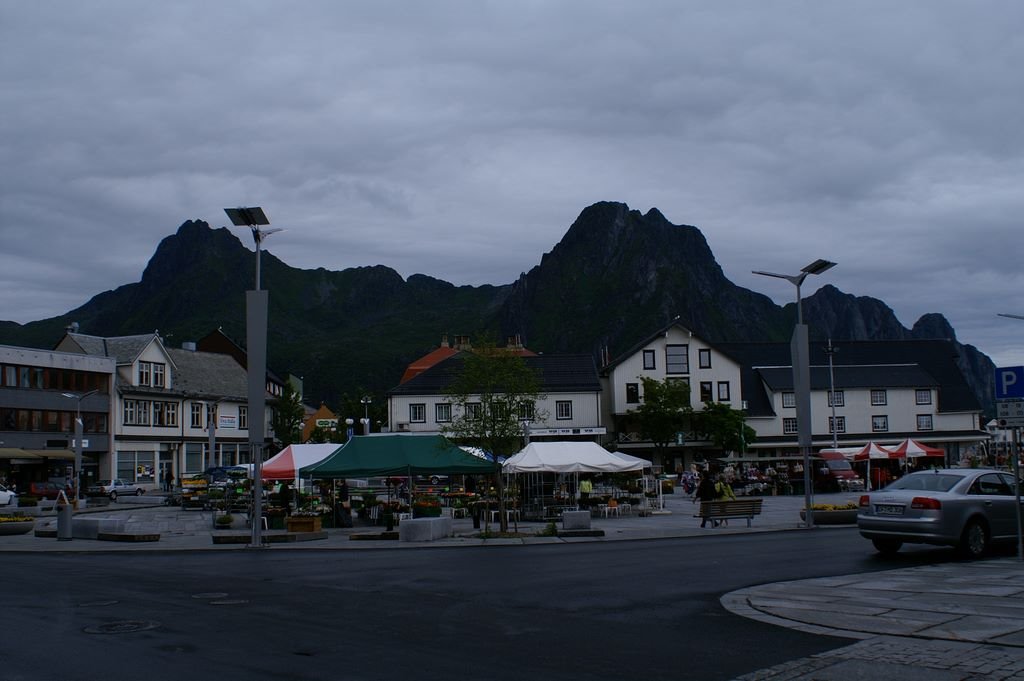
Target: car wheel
113, 496
974, 540
139, 492
887, 546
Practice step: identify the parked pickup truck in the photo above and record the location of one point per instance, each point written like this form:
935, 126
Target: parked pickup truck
113, 489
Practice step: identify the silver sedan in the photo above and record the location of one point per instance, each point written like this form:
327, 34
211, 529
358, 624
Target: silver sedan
968, 508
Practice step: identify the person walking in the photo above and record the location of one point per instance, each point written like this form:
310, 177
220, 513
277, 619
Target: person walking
705, 492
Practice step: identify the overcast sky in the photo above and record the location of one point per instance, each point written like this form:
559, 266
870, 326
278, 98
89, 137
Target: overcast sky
461, 139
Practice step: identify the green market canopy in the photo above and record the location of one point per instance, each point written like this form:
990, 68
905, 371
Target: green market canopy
379, 455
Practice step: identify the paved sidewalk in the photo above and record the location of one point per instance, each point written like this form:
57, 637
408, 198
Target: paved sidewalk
961, 620
191, 530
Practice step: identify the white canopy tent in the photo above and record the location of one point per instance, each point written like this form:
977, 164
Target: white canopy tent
572, 457
568, 460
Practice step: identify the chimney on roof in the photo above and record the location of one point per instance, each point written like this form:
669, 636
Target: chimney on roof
72, 327
462, 343
444, 340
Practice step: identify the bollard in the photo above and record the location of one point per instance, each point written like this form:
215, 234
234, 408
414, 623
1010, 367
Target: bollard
64, 514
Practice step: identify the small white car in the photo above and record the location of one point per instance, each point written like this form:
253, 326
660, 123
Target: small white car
7, 497
113, 489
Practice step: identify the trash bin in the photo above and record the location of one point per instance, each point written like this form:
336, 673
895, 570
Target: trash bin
64, 515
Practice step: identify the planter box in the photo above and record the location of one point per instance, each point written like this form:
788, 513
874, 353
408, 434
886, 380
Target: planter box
426, 511
21, 527
843, 517
303, 523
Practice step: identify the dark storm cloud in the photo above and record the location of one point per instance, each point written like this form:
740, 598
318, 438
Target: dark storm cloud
460, 139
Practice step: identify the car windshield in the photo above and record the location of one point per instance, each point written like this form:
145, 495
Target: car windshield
929, 481
103, 482
837, 465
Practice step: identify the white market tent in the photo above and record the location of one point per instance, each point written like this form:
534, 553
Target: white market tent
572, 457
566, 460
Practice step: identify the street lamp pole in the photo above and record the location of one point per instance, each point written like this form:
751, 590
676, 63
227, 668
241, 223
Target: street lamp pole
830, 351
78, 440
256, 304
802, 376
365, 401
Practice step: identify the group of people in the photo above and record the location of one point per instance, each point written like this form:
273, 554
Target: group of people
713, 487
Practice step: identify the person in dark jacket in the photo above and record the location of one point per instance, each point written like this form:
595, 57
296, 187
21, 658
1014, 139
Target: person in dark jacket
706, 492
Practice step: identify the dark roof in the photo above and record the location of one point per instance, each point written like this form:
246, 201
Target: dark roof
644, 343
557, 374
208, 373
873, 376
123, 349
880, 364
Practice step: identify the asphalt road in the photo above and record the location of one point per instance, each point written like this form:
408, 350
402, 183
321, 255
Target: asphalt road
633, 609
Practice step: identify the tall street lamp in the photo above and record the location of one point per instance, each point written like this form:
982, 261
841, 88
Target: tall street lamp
78, 439
256, 341
830, 351
211, 427
802, 375
365, 401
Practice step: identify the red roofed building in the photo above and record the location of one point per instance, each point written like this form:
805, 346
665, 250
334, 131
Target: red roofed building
445, 351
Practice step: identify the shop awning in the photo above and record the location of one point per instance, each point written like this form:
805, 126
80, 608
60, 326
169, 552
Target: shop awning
40, 454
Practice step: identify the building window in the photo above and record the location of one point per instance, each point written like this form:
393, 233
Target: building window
723, 391
878, 398
165, 414
145, 373
879, 424
789, 400
705, 392
922, 397
243, 418
632, 393
924, 421
563, 410
789, 426
837, 425
704, 358
649, 360
211, 416
443, 412
526, 411
836, 398
677, 359
473, 411
159, 371
136, 412
418, 413
196, 421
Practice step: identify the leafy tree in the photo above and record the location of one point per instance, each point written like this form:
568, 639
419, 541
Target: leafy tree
724, 426
287, 417
664, 412
350, 406
319, 435
492, 393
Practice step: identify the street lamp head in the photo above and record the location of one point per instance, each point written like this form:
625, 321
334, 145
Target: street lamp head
818, 266
247, 217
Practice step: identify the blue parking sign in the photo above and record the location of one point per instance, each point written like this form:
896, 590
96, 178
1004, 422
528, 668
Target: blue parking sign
1009, 383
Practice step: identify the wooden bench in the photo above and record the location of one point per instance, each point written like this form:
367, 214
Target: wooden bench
731, 508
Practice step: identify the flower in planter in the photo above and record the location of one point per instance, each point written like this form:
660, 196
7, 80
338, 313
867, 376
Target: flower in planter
834, 507
15, 518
